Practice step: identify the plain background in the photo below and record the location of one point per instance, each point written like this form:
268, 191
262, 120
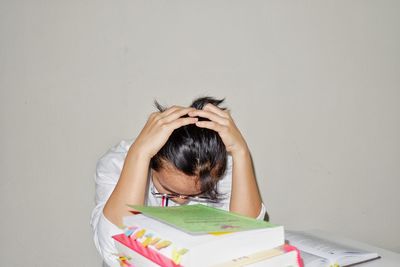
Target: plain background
313, 85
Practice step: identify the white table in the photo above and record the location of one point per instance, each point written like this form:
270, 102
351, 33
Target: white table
388, 258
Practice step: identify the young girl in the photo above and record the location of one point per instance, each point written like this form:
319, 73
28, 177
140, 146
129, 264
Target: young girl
183, 155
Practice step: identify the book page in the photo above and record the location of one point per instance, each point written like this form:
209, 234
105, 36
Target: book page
333, 252
200, 219
311, 260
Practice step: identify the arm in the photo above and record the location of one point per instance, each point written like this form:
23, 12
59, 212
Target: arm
131, 186
245, 196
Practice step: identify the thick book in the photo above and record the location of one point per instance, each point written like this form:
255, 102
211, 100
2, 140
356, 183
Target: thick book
282, 256
147, 239
319, 252
201, 219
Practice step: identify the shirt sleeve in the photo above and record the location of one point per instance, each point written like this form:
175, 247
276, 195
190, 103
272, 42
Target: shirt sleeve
263, 211
108, 170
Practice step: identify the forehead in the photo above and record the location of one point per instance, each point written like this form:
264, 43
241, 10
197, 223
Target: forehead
176, 181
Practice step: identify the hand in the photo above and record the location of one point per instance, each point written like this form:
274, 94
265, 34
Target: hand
221, 122
159, 127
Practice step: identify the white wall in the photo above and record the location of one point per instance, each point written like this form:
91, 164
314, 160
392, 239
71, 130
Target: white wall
314, 86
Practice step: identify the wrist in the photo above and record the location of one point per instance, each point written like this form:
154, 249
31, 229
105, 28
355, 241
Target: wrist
240, 151
137, 153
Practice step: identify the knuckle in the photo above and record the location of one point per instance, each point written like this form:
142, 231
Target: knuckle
153, 115
160, 121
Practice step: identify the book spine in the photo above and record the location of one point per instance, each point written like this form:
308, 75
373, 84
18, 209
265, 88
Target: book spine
146, 252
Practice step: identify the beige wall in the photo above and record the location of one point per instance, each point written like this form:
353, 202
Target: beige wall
314, 86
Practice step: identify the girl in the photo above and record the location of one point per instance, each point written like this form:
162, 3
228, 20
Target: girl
183, 155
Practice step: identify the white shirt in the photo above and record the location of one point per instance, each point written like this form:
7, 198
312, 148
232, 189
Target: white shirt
108, 170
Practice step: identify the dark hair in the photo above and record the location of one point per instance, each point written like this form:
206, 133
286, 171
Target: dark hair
195, 151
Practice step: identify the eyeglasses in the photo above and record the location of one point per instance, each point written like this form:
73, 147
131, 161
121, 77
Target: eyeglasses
202, 199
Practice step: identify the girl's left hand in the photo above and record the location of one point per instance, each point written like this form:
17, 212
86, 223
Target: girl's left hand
221, 122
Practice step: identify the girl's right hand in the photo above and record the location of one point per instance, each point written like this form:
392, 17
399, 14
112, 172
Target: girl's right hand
159, 127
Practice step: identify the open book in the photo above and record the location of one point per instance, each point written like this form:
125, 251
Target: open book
318, 252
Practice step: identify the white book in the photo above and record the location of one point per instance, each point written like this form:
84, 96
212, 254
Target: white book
268, 258
319, 252
186, 249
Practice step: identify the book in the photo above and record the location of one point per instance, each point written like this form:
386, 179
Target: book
278, 257
201, 219
319, 252
147, 241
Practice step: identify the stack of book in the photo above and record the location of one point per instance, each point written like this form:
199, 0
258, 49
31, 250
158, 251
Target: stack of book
197, 235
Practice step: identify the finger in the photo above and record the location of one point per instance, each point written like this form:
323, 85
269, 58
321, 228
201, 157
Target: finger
157, 115
170, 110
181, 122
176, 114
217, 110
208, 115
210, 125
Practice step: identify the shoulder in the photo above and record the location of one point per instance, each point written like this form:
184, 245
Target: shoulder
113, 160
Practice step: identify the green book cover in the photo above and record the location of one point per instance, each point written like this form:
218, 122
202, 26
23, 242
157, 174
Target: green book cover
201, 219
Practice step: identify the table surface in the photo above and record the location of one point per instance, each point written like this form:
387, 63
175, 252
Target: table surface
388, 258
